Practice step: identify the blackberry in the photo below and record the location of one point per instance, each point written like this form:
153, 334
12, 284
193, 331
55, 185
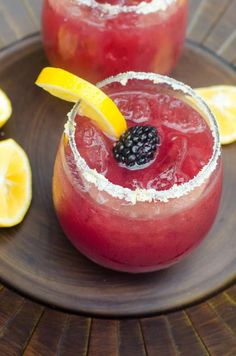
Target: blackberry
137, 146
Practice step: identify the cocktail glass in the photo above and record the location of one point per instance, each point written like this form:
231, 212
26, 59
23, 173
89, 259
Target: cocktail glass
94, 39
139, 229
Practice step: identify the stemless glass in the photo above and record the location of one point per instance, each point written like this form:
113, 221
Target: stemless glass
136, 230
95, 40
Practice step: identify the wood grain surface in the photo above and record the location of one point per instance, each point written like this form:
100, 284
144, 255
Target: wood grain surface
208, 328
30, 329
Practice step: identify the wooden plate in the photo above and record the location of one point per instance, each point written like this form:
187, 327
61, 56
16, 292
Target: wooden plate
37, 259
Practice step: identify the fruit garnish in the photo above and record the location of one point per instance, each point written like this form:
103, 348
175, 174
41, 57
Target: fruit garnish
221, 99
137, 146
95, 104
15, 183
5, 108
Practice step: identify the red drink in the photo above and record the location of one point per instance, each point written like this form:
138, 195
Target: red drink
95, 40
140, 220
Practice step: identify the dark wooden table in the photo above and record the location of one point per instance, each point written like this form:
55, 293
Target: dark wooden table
29, 328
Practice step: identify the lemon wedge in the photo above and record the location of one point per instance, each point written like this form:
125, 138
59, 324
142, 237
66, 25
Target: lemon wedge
221, 99
95, 104
5, 108
15, 183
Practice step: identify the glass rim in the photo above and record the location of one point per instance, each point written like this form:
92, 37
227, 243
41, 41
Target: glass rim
151, 194
141, 8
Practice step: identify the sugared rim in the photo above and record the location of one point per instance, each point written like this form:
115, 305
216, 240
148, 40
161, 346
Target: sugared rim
142, 8
141, 195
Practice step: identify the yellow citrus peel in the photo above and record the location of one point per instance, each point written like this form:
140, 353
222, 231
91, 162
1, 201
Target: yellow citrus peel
5, 108
221, 99
95, 104
15, 183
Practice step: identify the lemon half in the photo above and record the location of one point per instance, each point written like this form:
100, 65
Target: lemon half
15, 183
221, 99
5, 108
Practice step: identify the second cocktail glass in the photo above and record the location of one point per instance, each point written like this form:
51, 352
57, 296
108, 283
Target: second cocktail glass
94, 39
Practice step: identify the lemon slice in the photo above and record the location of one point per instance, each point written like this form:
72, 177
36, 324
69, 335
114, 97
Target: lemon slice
5, 108
95, 104
15, 183
221, 99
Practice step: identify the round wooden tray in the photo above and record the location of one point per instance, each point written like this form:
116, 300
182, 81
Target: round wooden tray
37, 259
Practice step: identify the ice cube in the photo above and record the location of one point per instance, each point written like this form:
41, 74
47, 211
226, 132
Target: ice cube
92, 146
134, 107
164, 180
179, 116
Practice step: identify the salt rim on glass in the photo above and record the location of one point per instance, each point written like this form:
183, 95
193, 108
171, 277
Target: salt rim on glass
141, 8
146, 195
